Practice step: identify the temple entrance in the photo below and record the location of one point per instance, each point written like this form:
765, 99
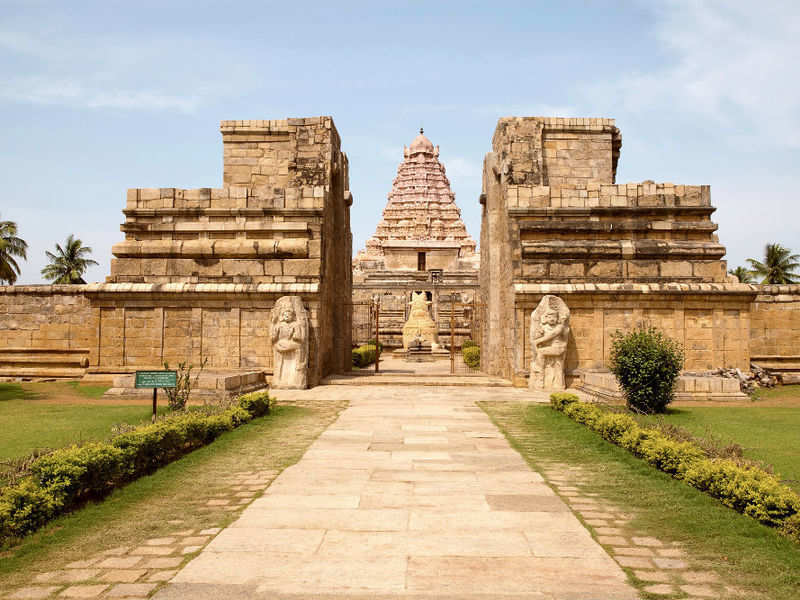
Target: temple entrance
444, 341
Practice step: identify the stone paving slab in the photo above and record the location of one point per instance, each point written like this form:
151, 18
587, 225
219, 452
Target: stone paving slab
409, 494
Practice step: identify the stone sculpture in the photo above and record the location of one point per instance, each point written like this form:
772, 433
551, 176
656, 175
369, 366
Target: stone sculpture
289, 337
549, 337
419, 324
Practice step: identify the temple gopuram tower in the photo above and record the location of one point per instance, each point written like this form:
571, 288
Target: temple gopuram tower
420, 245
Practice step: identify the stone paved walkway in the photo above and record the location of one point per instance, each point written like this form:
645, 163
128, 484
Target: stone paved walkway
408, 494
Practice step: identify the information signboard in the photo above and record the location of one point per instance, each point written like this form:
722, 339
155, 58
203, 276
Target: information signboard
156, 379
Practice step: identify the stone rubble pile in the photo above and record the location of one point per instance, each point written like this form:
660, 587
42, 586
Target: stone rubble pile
748, 382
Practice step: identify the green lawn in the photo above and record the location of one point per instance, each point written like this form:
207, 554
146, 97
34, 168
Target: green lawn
28, 420
173, 498
770, 434
750, 556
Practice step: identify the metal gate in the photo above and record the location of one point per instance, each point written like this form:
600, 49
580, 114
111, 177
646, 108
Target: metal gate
366, 326
379, 321
464, 325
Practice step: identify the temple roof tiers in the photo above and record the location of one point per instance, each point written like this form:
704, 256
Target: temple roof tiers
421, 207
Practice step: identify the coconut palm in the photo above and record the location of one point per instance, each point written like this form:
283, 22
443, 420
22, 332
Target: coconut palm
779, 265
744, 275
10, 246
68, 264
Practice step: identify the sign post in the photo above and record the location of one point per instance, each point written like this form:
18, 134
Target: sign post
155, 380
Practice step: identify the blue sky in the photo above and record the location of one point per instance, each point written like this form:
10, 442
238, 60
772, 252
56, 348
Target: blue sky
97, 97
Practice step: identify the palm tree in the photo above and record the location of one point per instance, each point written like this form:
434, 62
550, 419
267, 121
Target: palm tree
743, 274
778, 267
10, 246
68, 264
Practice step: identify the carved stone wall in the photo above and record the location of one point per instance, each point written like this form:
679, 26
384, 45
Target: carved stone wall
554, 219
199, 270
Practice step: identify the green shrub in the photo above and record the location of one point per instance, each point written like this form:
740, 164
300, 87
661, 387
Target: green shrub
647, 365
372, 343
614, 426
559, 400
471, 356
791, 527
467, 343
63, 479
25, 507
257, 403
364, 355
746, 489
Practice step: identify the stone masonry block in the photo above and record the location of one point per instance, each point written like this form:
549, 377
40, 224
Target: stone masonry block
676, 269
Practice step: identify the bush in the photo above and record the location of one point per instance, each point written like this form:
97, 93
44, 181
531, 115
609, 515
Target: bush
559, 400
63, 479
372, 343
364, 355
471, 356
746, 489
257, 403
467, 343
646, 364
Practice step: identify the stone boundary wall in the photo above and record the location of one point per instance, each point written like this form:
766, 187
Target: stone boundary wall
45, 331
139, 326
711, 321
54, 317
775, 325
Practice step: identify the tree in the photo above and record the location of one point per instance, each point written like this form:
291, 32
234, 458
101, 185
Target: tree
10, 246
68, 264
744, 275
779, 265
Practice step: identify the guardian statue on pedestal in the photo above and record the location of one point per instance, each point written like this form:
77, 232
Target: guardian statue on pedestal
549, 337
289, 337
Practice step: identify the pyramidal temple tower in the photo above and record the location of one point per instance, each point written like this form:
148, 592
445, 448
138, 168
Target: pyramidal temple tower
420, 245
421, 228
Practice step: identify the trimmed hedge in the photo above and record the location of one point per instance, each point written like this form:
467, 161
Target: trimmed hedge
748, 490
468, 343
471, 356
364, 355
62, 480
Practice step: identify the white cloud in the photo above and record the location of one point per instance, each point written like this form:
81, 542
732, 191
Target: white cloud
730, 62
59, 66
42, 90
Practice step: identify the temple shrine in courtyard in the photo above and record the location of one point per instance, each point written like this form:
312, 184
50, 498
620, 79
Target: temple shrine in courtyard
420, 245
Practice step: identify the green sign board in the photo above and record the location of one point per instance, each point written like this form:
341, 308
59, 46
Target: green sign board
156, 379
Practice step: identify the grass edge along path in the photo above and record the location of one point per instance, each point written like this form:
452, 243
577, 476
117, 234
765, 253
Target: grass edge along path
199, 491
752, 557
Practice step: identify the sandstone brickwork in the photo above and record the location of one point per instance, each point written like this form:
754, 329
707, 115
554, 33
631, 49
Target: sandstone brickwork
620, 255
200, 269
775, 329
44, 330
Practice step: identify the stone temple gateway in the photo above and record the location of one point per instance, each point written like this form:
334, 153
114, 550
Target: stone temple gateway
200, 271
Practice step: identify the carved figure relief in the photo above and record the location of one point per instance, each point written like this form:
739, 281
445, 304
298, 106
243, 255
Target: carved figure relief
549, 336
289, 337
